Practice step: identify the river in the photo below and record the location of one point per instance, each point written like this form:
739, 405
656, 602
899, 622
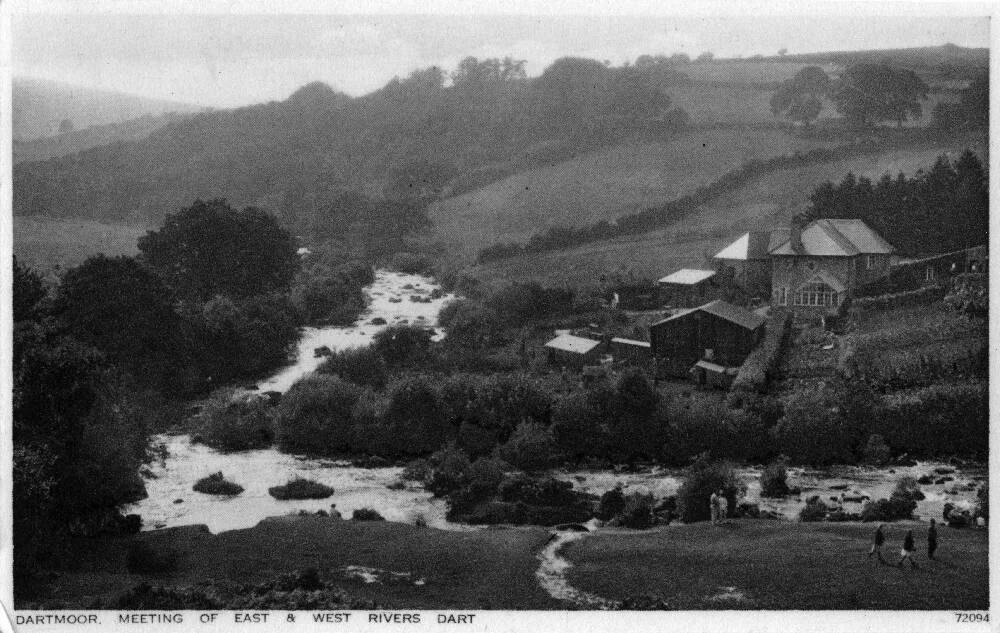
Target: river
172, 502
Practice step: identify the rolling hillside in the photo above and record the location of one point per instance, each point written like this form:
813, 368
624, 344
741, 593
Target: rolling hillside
93, 136
39, 107
764, 202
600, 185
48, 245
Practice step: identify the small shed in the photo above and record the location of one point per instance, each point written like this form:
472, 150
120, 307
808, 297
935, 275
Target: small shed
686, 287
719, 332
631, 352
567, 350
709, 374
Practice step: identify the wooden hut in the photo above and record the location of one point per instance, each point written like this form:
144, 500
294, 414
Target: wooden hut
567, 350
686, 287
718, 332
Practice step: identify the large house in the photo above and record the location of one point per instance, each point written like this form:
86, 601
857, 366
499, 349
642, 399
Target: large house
815, 267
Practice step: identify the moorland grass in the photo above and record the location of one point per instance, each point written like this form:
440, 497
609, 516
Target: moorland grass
783, 565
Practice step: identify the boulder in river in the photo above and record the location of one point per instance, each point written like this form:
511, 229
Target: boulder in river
322, 351
378, 321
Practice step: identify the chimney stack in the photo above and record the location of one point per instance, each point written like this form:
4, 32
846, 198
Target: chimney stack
795, 233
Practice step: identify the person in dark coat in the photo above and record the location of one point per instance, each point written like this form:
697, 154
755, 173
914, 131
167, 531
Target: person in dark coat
877, 542
931, 540
906, 554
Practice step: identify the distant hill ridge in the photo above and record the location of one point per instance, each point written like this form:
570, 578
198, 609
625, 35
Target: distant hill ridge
40, 106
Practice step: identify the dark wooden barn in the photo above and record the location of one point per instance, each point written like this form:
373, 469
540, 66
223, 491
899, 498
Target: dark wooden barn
718, 332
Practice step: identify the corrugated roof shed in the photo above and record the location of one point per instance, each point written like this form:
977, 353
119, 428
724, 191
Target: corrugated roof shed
749, 246
628, 341
727, 311
570, 343
835, 238
687, 276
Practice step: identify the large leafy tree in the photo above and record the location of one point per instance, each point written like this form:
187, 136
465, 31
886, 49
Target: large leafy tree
801, 97
870, 93
212, 249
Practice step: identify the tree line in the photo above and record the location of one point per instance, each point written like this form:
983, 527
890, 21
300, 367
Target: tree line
945, 208
113, 352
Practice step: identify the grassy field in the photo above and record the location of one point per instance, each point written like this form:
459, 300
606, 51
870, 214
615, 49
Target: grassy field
487, 569
601, 185
763, 203
48, 244
750, 564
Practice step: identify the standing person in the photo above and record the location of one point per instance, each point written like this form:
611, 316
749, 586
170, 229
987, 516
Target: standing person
723, 504
907, 552
877, 542
713, 506
931, 540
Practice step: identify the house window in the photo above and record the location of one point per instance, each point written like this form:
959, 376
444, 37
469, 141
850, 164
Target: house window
929, 274
870, 261
781, 296
815, 294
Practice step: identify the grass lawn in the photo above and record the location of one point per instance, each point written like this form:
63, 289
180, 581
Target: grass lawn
748, 564
486, 569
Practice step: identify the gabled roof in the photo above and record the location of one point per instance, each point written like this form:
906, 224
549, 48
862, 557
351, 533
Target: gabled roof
750, 245
570, 343
727, 311
835, 238
687, 276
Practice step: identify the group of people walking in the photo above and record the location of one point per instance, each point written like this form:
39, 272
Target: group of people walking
719, 505
909, 546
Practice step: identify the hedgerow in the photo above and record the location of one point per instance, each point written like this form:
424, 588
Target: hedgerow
760, 366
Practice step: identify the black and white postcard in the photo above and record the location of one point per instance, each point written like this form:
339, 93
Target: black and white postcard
527, 316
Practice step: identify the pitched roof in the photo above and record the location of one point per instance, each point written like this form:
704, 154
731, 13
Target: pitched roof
835, 238
729, 312
750, 245
687, 276
570, 343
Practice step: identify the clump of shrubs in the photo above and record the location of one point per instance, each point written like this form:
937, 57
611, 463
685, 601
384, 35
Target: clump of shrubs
366, 514
774, 480
814, 510
876, 451
230, 422
900, 504
300, 488
217, 484
361, 365
315, 416
703, 477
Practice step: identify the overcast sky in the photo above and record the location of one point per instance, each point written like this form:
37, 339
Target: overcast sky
238, 59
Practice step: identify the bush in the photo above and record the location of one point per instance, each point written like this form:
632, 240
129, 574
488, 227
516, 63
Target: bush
360, 365
315, 416
612, 504
703, 477
774, 480
216, 484
366, 514
402, 345
876, 451
414, 419
449, 471
300, 488
531, 447
576, 427
143, 558
760, 366
235, 424
638, 512
891, 509
940, 420
814, 510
